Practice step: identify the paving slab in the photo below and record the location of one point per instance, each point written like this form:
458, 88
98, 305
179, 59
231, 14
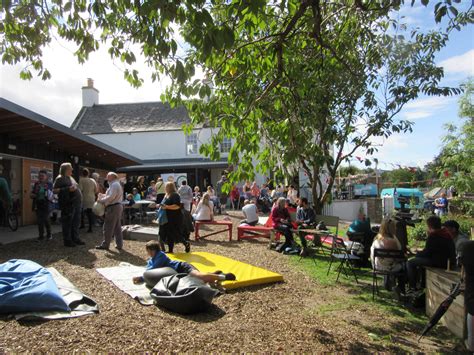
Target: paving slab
23, 233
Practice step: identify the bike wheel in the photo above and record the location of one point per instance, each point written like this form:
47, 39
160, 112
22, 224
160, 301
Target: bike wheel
13, 221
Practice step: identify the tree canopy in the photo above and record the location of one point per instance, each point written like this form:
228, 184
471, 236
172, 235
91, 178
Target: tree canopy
296, 83
456, 160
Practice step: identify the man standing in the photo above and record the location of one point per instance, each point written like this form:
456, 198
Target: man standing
113, 213
305, 218
441, 205
70, 203
89, 190
41, 194
221, 195
5, 197
185, 192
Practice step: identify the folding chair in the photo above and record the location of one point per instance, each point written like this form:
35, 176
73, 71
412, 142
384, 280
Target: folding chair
340, 252
396, 255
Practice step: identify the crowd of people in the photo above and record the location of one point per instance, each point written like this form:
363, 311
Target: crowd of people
179, 206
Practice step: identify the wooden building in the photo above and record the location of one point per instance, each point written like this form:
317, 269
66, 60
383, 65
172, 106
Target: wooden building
30, 142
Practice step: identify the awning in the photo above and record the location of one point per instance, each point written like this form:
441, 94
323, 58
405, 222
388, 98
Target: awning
28, 127
174, 164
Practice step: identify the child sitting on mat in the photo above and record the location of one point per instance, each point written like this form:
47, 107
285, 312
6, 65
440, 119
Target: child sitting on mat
158, 259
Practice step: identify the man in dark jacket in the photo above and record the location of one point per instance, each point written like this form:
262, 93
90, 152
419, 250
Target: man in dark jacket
439, 248
305, 218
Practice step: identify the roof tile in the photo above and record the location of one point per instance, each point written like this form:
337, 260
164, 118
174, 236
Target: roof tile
132, 117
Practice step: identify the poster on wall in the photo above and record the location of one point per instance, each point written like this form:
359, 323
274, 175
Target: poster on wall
177, 178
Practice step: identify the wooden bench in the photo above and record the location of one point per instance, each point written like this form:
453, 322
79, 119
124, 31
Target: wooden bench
263, 230
438, 287
249, 232
198, 224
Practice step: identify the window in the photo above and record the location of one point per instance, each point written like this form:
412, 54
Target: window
226, 144
192, 144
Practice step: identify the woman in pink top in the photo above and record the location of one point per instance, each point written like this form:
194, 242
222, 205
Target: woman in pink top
282, 222
255, 190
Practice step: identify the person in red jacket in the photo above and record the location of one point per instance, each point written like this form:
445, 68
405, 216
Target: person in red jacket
439, 248
282, 222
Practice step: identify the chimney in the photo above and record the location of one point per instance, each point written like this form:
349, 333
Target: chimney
90, 95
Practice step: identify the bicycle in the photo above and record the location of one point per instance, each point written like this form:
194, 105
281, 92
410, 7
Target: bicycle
10, 218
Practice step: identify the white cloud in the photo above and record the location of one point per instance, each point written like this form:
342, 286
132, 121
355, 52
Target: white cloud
426, 107
409, 15
60, 98
459, 64
414, 115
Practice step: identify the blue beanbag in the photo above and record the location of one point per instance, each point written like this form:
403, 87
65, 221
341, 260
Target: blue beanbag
26, 286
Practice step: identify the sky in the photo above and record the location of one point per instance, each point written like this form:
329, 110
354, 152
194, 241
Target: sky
60, 97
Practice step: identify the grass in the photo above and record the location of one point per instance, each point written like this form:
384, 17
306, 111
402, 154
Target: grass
348, 297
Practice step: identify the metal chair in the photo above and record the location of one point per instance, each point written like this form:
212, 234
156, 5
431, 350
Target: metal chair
340, 253
396, 255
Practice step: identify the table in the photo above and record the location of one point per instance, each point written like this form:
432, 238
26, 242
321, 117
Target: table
316, 233
140, 204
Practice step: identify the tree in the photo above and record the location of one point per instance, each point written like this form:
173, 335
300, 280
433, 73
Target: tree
457, 155
349, 170
403, 177
309, 79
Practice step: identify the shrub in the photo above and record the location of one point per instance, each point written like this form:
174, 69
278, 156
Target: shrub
419, 231
462, 206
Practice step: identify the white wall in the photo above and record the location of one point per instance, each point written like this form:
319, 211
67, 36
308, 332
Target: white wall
346, 210
156, 144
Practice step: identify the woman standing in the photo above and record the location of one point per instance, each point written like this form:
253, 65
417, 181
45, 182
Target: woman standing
292, 195
151, 191
141, 187
171, 232
89, 191
160, 190
70, 202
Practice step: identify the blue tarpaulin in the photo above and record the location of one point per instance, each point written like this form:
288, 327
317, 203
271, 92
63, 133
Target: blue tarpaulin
26, 286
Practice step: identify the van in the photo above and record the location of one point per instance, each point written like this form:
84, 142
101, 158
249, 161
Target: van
410, 194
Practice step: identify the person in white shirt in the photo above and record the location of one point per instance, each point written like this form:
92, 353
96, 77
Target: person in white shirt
385, 240
205, 209
113, 213
250, 213
185, 192
292, 195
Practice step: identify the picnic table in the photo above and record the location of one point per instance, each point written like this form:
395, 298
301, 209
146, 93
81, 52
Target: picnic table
324, 236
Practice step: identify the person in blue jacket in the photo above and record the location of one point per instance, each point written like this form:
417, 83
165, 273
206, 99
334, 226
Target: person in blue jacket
361, 231
158, 259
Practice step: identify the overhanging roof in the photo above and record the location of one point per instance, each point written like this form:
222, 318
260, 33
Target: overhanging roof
30, 127
150, 165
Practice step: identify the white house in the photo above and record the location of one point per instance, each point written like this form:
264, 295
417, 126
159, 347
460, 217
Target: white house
152, 132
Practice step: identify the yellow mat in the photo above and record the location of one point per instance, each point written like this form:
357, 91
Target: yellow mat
246, 274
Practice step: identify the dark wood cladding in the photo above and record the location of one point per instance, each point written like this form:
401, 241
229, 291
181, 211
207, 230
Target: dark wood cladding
38, 149
34, 136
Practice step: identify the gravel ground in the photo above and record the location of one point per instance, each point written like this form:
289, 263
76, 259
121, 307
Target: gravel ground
269, 318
